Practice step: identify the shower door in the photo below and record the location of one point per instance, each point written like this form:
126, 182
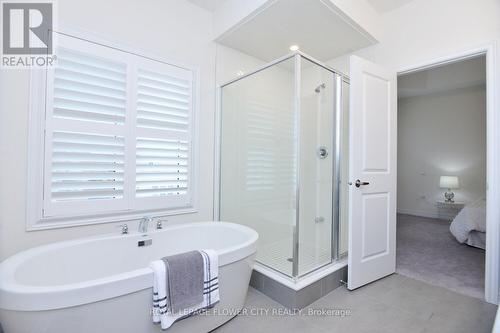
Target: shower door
279, 162
318, 155
259, 160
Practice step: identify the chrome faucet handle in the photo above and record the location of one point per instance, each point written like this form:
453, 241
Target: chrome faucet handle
124, 228
160, 222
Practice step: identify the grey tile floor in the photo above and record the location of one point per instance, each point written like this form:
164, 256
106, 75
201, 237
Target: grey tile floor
393, 304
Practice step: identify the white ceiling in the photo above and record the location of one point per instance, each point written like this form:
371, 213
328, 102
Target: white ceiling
383, 6
316, 28
462, 74
210, 5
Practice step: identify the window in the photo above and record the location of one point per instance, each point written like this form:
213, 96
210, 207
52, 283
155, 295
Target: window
117, 135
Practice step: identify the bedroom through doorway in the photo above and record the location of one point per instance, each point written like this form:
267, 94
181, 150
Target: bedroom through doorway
441, 221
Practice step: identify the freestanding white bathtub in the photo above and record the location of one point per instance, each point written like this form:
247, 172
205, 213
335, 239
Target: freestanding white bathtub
103, 284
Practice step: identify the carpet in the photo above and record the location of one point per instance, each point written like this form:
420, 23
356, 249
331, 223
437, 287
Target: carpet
427, 251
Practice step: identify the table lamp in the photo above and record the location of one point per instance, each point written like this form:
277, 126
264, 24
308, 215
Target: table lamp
449, 183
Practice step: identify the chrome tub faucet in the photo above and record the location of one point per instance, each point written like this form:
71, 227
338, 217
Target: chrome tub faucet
144, 224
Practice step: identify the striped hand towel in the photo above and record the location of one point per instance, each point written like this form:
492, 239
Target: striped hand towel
162, 310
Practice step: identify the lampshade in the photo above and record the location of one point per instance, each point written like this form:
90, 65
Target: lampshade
449, 182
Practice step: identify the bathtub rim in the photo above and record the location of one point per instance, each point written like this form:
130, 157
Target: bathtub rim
23, 297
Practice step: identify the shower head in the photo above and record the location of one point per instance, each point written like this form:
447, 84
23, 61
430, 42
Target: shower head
318, 88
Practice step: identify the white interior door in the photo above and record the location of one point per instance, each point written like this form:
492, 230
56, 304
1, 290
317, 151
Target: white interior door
372, 173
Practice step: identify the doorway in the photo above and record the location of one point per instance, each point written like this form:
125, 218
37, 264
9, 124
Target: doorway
442, 172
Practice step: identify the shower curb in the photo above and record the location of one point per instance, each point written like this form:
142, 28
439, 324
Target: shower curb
298, 299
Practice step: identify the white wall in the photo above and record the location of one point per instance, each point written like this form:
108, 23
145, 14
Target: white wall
230, 63
441, 134
172, 29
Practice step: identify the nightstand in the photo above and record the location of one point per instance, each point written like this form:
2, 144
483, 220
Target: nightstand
448, 210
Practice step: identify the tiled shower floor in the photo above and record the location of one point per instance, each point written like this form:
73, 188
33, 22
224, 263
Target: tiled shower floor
279, 256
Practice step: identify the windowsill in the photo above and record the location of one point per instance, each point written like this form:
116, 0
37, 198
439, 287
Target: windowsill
58, 223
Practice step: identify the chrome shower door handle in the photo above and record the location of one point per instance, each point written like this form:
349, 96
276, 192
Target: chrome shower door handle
359, 183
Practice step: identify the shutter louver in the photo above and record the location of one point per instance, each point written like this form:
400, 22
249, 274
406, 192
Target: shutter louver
163, 125
87, 167
161, 167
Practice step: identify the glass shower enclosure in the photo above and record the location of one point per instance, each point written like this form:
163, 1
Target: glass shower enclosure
280, 168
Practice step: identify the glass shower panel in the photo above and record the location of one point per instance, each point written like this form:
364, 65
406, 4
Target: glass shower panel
259, 160
317, 158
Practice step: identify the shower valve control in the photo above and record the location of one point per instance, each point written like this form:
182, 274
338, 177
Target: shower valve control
322, 152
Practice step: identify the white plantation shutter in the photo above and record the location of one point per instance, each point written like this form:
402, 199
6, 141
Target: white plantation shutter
163, 146
118, 133
86, 153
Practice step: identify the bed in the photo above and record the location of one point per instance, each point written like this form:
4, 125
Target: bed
469, 226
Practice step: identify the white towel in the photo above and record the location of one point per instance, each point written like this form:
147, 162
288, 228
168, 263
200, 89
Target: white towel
211, 278
159, 288
162, 313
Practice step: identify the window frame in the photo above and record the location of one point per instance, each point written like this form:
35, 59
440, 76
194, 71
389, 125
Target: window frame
37, 156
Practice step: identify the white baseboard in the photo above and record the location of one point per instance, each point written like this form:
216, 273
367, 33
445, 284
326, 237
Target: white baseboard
423, 213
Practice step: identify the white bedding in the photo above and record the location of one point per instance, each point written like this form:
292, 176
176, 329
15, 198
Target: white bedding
470, 222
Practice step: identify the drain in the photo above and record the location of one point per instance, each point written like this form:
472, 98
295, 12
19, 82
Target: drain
290, 259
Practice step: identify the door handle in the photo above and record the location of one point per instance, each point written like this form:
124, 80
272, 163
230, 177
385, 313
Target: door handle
359, 183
